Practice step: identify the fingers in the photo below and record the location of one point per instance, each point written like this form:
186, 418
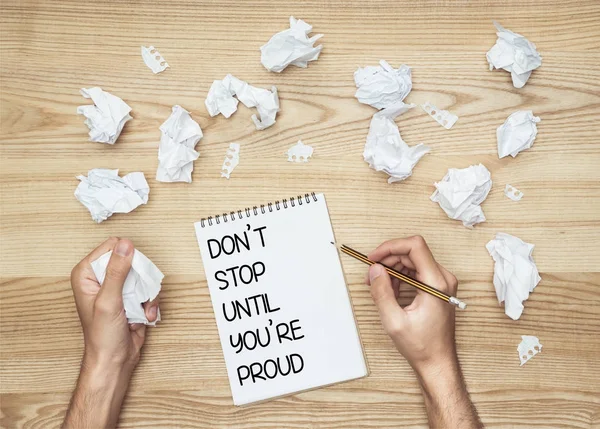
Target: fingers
116, 272
79, 272
392, 315
138, 334
151, 309
416, 250
451, 280
103, 248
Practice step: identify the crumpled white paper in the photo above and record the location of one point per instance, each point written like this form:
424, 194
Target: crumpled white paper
291, 46
143, 283
232, 159
515, 54
299, 152
513, 193
104, 193
517, 133
385, 150
176, 154
528, 348
515, 272
442, 117
107, 117
220, 99
382, 86
154, 60
461, 191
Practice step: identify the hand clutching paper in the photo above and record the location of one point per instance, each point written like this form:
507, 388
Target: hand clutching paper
143, 283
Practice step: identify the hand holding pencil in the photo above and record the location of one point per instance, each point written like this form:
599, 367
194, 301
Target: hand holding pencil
424, 330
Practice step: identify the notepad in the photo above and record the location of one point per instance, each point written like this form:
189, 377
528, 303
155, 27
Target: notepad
280, 300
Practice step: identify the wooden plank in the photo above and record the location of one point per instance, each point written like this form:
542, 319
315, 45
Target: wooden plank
50, 49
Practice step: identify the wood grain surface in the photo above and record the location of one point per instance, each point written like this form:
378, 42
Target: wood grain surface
51, 49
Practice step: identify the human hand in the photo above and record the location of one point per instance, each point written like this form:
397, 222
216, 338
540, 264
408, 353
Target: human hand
110, 342
112, 345
423, 331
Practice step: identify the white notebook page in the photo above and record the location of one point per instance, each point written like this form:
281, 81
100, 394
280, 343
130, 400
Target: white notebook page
301, 333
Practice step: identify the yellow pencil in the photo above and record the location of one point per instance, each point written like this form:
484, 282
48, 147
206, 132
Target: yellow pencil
409, 280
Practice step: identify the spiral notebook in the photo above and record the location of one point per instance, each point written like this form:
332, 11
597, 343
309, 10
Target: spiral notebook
280, 300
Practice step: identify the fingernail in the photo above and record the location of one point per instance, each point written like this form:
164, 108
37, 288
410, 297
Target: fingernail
123, 248
153, 312
375, 271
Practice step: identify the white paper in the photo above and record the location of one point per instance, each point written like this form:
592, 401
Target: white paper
382, 86
176, 154
142, 284
461, 191
517, 133
291, 46
515, 54
104, 193
232, 159
303, 281
107, 117
442, 117
513, 193
386, 151
220, 99
528, 348
154, 60
515, 272
299, 152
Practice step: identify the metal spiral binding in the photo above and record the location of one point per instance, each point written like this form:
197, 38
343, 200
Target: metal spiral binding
256, 210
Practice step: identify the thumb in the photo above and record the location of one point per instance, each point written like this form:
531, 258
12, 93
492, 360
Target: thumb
117, 271
392, 315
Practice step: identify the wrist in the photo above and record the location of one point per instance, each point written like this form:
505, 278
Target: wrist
104, 374
98, 396
442, 377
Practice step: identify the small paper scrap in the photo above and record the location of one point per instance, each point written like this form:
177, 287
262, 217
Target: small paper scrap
442, 117
107, 117
176, 154
515, 272
461, 192
517, 133
104, 193
154, 60
299, 152
382, 86
291, 46
386, 151
513, 193
232, 159
528, 348
220, 99
143, 283
515, 54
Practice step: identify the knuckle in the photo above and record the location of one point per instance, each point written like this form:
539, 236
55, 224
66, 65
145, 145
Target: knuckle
393, 328
453, 281
103, 307
419, 241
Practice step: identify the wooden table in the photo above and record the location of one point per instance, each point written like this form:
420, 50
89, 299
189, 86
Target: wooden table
51, 49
